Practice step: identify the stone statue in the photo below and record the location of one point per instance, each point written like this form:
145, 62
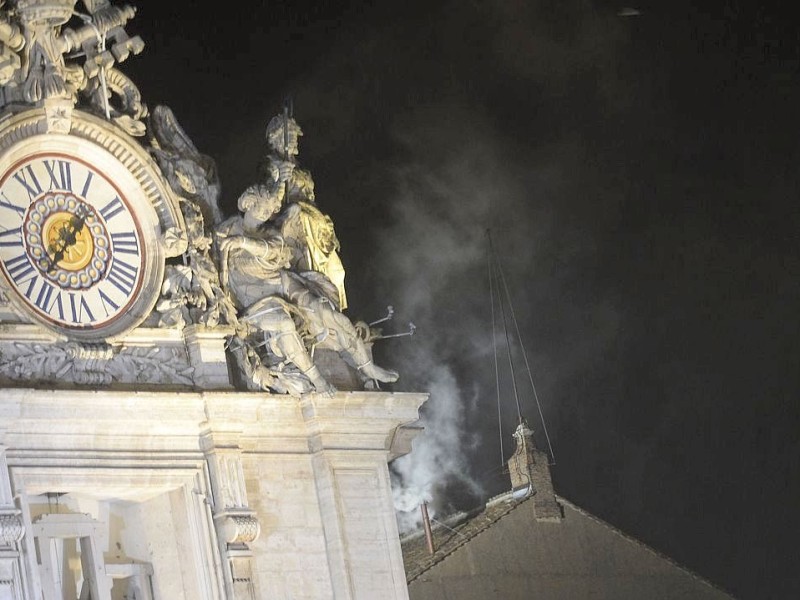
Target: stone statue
189, 172
309, 232
291, 310
191, 293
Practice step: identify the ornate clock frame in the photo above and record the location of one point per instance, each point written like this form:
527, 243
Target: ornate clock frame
126, 166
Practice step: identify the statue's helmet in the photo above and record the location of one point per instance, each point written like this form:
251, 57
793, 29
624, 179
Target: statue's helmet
276, 132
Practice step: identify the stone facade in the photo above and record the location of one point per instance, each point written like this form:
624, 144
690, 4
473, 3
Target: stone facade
201, 494
185, 411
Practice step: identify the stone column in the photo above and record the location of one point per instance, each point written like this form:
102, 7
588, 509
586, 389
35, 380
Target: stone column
351, 438
236, 523
12, 531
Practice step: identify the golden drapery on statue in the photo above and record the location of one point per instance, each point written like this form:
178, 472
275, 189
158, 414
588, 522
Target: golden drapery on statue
322, 247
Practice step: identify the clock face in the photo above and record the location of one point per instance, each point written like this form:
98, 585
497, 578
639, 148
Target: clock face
71, 245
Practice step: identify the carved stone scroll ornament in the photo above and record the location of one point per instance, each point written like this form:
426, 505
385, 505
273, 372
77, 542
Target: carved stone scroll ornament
12, 529
239, 529
237, 523
90, 362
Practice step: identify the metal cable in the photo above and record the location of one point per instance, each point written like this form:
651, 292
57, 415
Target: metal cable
494, 345
505, 329
527, 365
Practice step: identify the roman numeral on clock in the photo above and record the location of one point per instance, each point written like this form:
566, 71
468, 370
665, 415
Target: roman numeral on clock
125, 242
87, 183
112, 209
79, 308
32, 186
19, 268
123, 276
108, 303
7, 203
60, 173
44, 298
11, 237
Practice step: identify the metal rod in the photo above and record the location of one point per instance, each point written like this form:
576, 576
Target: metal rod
426, 522
411, 329
287, 114
389, 315
101, 45
527, 365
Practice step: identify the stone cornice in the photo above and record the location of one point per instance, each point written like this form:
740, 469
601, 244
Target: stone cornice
159, 422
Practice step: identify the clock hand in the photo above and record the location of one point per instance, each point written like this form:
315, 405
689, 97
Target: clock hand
67, 237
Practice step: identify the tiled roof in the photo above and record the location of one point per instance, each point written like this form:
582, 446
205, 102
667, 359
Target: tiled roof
458, 530
451, 534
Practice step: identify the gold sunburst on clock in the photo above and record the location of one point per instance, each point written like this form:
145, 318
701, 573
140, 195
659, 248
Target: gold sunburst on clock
66, 241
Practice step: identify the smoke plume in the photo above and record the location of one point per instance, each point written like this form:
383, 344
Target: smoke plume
433, 257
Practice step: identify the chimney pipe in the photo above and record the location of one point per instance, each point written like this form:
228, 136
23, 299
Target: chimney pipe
426, 522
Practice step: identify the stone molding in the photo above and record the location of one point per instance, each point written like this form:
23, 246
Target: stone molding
194, 357
32, 418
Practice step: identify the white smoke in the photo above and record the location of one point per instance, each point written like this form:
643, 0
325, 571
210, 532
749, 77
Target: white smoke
434, 267
440, 454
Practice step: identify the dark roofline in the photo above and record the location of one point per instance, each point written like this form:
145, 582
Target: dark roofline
643, 545
464, 518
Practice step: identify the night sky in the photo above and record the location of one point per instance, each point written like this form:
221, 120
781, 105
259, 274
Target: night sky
639, 175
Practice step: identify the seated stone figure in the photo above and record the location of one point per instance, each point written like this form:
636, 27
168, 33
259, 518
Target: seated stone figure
290, 308
308, 231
